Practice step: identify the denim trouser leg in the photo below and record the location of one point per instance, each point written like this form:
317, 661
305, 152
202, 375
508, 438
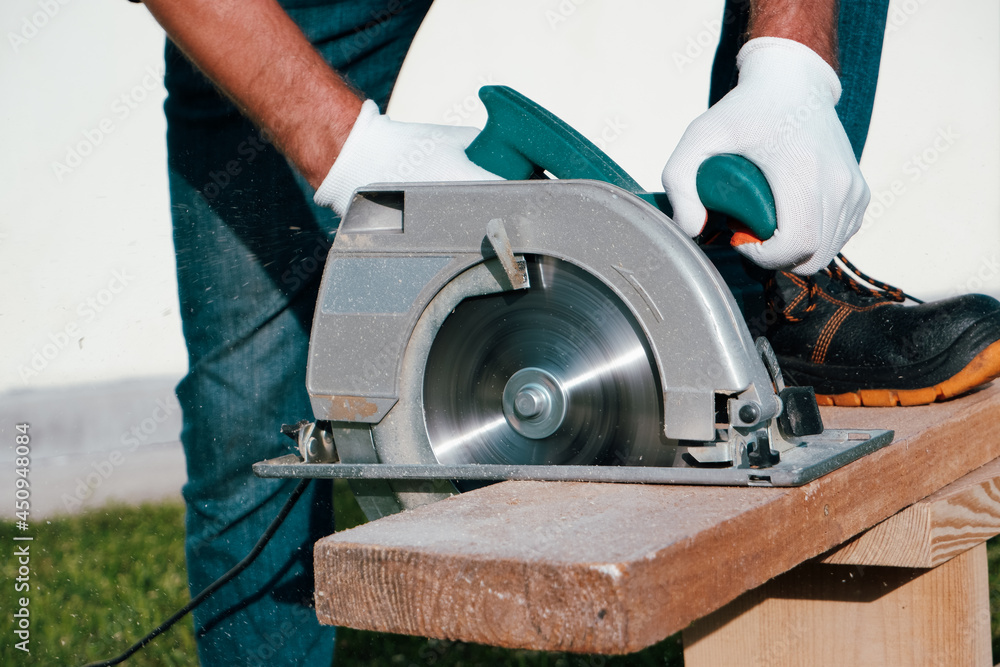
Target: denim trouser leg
250, 246
861, 29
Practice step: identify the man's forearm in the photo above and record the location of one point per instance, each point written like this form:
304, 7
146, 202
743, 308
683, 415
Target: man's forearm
256, 54
812, 23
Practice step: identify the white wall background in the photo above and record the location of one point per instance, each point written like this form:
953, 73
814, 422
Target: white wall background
67, 79
86, 263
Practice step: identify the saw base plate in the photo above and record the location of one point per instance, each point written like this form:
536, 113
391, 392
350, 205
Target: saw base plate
799, 465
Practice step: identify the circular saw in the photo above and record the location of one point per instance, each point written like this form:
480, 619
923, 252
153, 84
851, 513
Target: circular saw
539, 328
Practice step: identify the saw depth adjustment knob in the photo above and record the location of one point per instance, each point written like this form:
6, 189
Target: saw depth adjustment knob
534, 403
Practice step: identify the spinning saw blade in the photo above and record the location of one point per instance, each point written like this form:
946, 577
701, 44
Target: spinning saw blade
555, 374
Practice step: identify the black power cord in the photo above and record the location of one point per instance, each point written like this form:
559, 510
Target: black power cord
217, 584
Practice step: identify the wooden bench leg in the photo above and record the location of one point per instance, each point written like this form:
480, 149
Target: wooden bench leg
817, 615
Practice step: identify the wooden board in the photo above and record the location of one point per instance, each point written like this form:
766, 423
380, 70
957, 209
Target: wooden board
607, 568
821, 615
939, 527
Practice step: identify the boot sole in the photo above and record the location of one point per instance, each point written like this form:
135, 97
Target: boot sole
983, 368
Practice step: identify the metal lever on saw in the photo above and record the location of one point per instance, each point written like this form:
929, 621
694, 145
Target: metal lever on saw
522, 140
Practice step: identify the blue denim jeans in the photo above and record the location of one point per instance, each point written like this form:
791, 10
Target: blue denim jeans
250, 246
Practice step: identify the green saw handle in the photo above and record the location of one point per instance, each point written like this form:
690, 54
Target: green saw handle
522, 140
734, 185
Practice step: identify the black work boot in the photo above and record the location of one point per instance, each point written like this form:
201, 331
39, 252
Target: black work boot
859, 345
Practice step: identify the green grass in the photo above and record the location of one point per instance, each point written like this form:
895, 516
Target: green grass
103, 579
99, 582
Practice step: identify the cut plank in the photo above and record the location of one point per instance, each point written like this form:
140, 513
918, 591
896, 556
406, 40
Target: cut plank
606, 568
822, 615
939, 527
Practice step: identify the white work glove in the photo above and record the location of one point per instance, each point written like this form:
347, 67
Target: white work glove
380, 150
781, 117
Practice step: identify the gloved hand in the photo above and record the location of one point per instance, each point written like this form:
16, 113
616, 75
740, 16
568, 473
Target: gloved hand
781, 117
380, 150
